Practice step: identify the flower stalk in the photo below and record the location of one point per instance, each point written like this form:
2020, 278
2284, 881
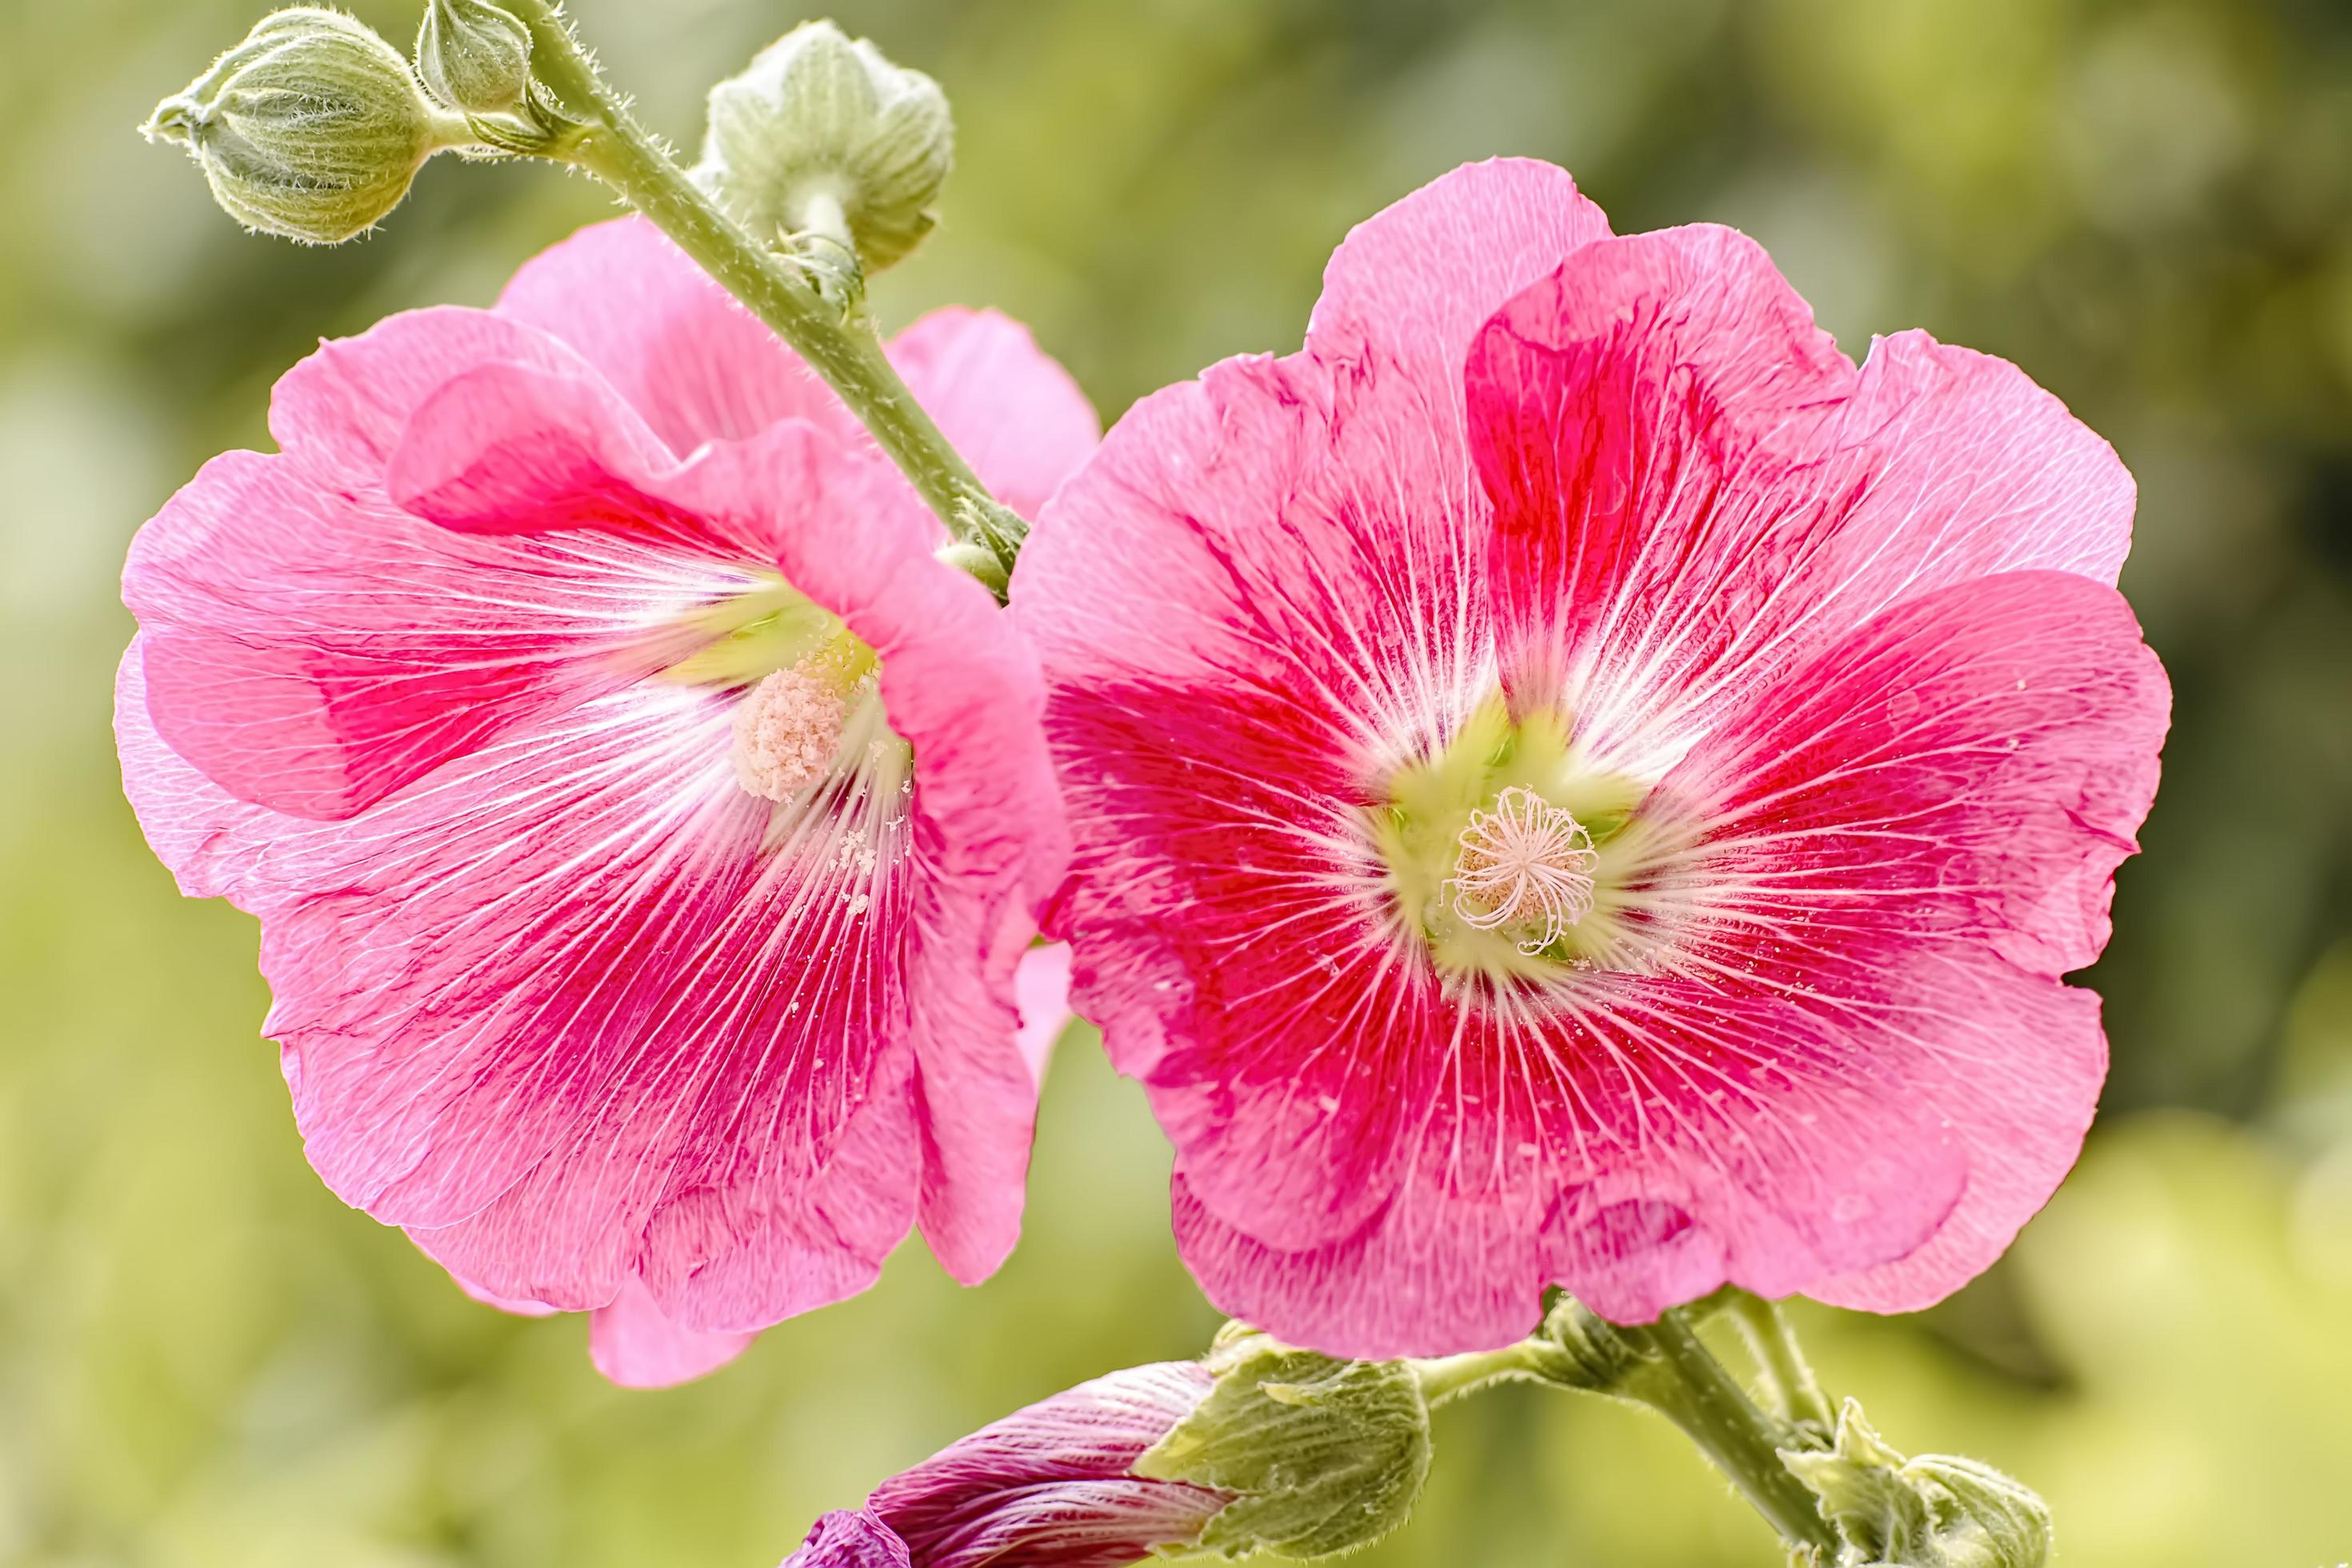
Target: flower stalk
1679, 1377
835, 338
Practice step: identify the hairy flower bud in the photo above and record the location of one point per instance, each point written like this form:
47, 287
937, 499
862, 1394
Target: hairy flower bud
1934, 1512
312, 128
822, 130
474, 56
1320, 1456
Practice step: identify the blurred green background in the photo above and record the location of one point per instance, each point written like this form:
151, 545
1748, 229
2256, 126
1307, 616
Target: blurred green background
206, 1360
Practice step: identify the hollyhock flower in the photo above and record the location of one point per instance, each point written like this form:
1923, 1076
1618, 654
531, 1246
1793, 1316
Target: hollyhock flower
645, 827
1574, 781
1053, 1484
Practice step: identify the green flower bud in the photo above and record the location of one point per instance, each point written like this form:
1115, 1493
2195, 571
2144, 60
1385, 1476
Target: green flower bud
1993, 1520
312, 128
1934, 1512
1322, 1455
474, 57
822, 132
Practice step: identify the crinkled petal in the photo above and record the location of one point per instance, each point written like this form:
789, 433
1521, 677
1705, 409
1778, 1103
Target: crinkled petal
633, 1345
1218, 948
1695, 492
499, 858
1971, 765
531, 878
1639, 1142
342, 412
1414, 283
694, 363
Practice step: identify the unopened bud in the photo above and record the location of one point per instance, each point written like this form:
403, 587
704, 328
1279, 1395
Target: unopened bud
474, 56
1320, 1456
1934, 1512
822, 129
312, 128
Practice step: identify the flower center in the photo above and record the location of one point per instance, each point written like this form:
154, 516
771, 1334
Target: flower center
1524, 864
1508, 853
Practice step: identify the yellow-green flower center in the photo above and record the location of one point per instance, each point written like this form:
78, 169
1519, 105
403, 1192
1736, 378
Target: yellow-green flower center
1510, 853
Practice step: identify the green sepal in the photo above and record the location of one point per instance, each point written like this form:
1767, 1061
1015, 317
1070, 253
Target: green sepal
1323, 1456
1934, 1512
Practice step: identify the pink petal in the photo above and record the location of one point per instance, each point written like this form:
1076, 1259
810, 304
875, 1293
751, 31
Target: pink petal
1041, 990
990, 843
695, 363
492, 949
1695, 491
850, 1540
1412, 284
1016, 414
306, 651
1702, 1141
1259, 1010
633, 1345
1972, 763
342, 412
521, 1309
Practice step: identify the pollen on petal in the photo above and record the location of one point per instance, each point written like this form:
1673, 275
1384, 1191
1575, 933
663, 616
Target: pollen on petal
787, 730
1525, 863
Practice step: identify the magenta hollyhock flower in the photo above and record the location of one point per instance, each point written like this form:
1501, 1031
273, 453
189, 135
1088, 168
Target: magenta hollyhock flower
1051, 1485
645, 827
1574, 781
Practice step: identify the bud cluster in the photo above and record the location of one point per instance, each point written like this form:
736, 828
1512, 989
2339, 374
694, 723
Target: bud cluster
312, 128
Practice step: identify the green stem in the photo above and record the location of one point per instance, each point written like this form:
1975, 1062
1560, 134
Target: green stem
1678, 1377
615, 149
1787, 1375
1451, 1377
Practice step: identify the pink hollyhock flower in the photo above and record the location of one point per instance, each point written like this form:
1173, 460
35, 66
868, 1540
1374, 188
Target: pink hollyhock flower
644, 827
1053, 1484
1574, 781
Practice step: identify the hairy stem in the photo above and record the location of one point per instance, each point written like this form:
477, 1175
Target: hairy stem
844, 351
1676, 1375
1796, 1393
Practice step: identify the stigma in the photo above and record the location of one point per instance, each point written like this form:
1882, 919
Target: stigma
1525, 865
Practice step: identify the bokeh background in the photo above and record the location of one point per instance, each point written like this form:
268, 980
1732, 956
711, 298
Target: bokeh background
206, 1360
